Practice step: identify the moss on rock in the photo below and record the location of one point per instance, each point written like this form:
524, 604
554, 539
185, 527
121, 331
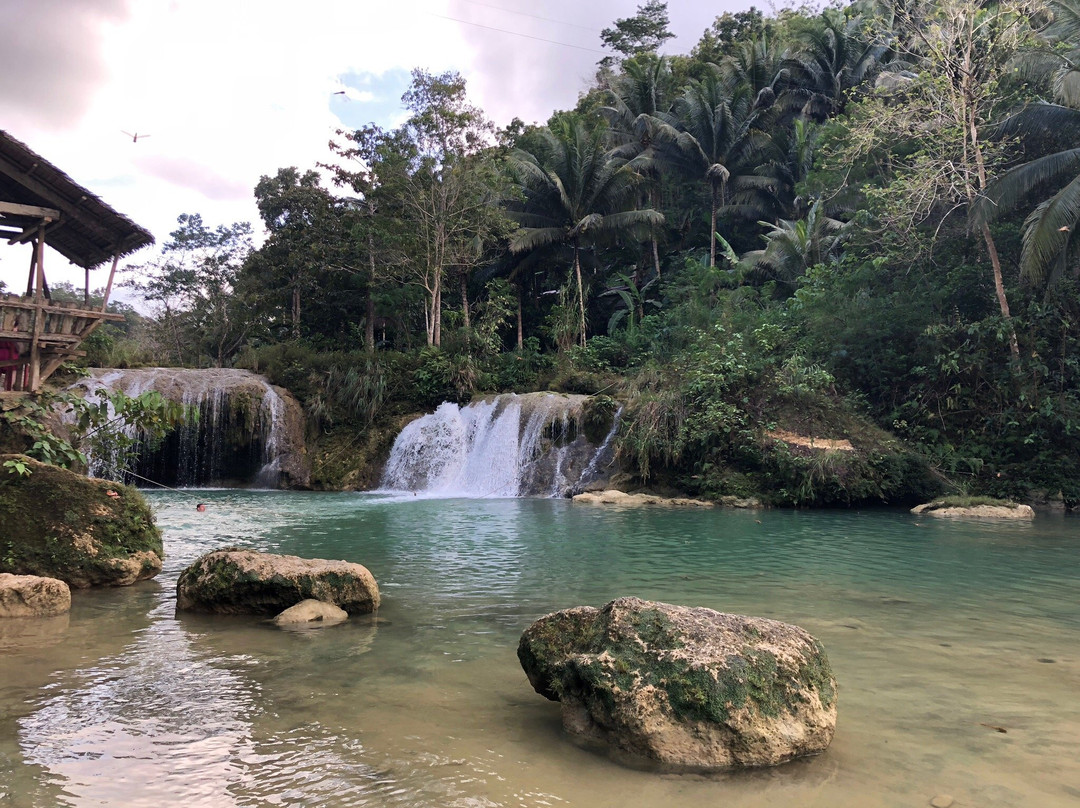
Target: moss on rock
59, 524
686, 688
237, 581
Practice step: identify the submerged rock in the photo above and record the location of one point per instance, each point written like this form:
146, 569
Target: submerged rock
687, 689
236, 581
33, 596
311, 611
613, 497
84, 531
1005, 510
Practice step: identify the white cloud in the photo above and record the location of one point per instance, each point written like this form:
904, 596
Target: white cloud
229, 90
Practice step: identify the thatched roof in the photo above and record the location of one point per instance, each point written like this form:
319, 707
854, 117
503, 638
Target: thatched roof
89, 232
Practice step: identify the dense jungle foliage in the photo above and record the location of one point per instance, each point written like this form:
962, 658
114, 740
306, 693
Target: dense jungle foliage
814, 222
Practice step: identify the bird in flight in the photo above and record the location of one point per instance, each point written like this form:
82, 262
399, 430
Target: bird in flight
134, 137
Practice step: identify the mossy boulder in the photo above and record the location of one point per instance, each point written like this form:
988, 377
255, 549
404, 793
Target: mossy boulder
237, 581
974, 508
86, 532
684, 689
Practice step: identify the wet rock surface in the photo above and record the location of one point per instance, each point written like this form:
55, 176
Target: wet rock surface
681, 688
311, 611
237, 581
33, 596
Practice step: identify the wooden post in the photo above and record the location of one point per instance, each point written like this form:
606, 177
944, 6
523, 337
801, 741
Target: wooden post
39, 313
108, 286
33, 270
86, 289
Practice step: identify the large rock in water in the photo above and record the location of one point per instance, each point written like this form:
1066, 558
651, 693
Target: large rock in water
237, 581
59, 524
687, 689
33, 596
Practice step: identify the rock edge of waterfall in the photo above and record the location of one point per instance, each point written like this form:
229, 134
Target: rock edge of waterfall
681, 688
233, 580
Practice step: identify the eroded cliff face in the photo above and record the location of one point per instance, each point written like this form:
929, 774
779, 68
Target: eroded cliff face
248, 432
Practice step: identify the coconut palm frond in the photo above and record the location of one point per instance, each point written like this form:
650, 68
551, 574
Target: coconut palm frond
1048, 231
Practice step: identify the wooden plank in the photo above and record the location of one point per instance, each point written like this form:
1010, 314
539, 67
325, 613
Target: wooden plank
58, 339
17, 302
39, 316
108, 286
15, 209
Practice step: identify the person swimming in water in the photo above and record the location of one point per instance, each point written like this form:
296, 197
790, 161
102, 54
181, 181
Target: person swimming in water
200, 507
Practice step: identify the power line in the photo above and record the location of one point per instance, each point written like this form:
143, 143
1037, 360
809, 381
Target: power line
515, 33
534, 16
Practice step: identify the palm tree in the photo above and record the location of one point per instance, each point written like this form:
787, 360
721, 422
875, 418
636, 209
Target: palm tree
721, 141
792, 247
575, 193
640, 102
1049, 227
833, 59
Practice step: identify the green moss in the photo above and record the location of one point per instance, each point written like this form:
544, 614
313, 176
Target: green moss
60, 524
598, 416
584, 661
969, 502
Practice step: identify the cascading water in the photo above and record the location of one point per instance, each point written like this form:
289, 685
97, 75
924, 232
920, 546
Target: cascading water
507, 446
247, 433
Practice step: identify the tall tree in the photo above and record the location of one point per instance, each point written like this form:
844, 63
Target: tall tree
453, 189
297, 212
643, 33
722, 142
377, 169
575, 194
193, 284
1051, 133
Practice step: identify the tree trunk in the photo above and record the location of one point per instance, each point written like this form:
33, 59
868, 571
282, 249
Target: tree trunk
436, 315
655, 256
999, 289
369, 325
712, 229
991, 247
296, 310
520, 330
580, 291
464, 287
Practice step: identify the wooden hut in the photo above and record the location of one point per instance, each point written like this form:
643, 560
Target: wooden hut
41, 205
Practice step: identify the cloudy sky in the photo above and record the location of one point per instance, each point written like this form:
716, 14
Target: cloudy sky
229, 90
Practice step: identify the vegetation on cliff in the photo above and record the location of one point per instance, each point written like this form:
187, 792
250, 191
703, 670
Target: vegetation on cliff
848, 225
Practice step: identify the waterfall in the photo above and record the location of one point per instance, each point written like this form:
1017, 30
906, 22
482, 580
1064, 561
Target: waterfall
506, 446
246, 433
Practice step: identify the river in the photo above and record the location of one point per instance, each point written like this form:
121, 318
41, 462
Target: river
956, 646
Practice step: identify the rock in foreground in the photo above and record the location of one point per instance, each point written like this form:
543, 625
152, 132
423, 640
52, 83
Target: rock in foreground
235, 581
33, 596
86, 532
687, 689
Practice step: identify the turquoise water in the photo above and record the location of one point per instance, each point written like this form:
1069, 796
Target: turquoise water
939, 632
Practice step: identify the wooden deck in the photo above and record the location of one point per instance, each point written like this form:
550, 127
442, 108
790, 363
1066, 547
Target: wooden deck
38, 335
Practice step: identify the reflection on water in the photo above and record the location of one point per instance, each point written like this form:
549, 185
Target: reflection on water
940, 633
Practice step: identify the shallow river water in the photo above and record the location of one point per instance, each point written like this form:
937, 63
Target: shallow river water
956, 647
